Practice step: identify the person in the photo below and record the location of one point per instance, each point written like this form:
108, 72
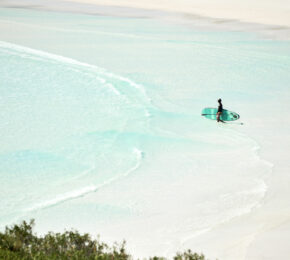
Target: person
220, 110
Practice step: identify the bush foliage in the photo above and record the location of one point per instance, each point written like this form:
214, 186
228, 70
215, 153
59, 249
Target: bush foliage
19, 242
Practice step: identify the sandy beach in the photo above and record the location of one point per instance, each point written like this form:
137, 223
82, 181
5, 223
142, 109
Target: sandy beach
262, 12
264, 231
270, 18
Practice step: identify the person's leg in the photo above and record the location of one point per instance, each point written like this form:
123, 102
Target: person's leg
218, 115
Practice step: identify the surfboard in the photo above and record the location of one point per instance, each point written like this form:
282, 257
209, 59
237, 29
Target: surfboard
226, 115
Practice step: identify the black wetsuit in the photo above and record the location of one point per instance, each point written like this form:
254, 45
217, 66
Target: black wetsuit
220, 108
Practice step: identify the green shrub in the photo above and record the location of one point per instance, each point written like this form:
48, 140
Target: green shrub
19, 242
188, 255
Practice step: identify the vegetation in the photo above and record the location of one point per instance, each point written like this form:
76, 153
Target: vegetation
19, 242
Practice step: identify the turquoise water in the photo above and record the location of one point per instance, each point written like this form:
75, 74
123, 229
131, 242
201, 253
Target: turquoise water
101, 126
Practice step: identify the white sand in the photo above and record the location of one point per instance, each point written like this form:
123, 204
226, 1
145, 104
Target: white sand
271, 12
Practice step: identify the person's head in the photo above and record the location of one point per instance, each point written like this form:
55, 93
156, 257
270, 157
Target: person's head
219, 100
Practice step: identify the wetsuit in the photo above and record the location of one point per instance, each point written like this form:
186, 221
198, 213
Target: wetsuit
220, 108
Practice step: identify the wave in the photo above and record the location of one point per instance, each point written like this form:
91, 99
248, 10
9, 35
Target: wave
88, 189
21, 50
116, 84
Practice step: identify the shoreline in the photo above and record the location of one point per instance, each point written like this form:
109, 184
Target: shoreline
194, 18
247, 12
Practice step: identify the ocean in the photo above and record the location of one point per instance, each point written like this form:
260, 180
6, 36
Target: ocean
101, 127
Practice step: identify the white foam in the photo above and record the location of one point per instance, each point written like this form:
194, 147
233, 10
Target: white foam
88, 189
62, 198
72, 62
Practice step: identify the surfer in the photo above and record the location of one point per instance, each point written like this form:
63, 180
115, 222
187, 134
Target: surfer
219, 112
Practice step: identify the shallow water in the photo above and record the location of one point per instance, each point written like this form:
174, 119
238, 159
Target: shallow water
101, 127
